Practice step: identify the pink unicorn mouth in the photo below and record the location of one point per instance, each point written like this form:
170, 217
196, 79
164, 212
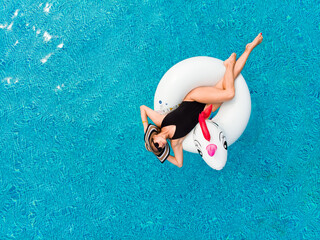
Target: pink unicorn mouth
211, 149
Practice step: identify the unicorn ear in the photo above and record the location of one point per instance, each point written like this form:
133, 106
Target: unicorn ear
202, 116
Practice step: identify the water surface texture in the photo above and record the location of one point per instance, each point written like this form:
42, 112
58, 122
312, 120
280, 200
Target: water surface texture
72, 159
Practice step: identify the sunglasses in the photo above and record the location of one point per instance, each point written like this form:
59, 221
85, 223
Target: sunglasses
157, 146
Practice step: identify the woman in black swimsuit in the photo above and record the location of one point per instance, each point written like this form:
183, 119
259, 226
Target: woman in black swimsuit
178, 123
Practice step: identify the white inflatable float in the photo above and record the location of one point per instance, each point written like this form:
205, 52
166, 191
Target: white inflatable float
230, 121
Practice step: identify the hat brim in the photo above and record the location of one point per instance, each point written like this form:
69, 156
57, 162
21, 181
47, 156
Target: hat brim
164, 154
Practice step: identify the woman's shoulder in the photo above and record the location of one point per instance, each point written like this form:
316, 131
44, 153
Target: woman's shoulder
177, 142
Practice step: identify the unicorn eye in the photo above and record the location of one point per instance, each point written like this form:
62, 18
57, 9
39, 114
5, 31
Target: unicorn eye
222, 138
199, 152
198, 146
225, 145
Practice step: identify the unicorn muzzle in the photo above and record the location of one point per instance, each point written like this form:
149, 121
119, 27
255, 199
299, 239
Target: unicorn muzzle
211, 149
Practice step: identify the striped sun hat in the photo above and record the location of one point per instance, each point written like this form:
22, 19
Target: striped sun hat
161, 155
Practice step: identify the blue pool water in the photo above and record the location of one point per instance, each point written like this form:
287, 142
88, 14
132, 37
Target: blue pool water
72, 160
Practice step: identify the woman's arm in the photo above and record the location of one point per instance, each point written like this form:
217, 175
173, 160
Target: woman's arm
178, 153
153, 115
144, 118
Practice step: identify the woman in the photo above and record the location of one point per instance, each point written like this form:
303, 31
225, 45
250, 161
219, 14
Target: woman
178, 123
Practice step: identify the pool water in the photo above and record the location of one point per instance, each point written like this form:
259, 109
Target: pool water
72, 159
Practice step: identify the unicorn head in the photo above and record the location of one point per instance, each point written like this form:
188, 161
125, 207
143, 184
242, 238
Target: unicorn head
210, 141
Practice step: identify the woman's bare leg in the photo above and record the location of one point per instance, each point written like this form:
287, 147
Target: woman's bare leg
239, 65
242, 60
224, 89
213, 94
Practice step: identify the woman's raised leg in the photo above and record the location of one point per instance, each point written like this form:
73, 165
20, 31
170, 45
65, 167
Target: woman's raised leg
224, 89
212, 95
241, 60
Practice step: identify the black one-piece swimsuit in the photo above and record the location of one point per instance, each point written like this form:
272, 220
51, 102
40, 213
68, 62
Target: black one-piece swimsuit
185, 118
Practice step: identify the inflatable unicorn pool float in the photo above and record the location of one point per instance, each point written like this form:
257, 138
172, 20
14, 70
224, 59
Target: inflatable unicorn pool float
210, 137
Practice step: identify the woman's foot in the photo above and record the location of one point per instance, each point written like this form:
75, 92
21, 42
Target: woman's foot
230, 61
255, 42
